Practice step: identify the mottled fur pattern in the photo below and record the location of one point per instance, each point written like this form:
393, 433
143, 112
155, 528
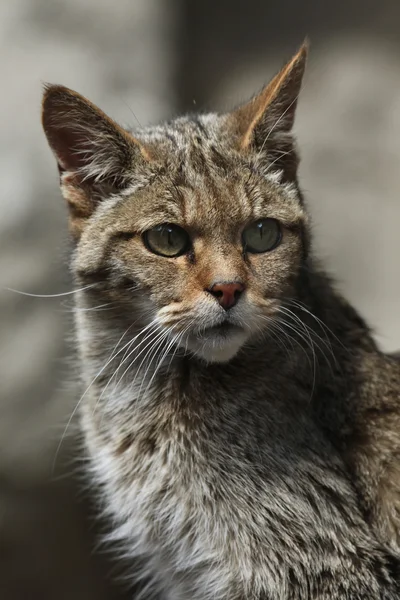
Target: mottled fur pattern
259, 464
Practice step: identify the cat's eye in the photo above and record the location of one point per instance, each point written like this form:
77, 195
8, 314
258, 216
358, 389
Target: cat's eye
167, 240
261, 236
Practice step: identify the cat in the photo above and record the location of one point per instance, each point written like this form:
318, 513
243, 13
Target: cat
241, 425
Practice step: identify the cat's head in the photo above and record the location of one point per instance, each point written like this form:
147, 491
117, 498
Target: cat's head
201, 215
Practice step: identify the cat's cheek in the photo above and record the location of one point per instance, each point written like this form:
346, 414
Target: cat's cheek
163, 280
272, 273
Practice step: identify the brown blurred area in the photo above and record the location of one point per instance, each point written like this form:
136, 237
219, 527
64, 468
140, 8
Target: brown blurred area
143, 61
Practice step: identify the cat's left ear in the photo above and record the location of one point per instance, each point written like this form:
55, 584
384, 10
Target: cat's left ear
264, 124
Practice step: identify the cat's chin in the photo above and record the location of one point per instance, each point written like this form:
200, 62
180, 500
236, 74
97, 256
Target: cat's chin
217, 348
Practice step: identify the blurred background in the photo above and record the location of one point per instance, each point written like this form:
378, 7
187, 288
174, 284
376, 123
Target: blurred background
142, 61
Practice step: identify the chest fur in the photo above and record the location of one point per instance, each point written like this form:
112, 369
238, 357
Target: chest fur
210, 488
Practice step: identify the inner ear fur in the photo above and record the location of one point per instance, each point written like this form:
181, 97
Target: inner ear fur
265, 122
95, 155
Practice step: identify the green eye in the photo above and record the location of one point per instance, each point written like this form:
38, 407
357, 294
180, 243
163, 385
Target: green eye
261, 236
167, 240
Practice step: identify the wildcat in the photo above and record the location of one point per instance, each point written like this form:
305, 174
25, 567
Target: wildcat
240, 422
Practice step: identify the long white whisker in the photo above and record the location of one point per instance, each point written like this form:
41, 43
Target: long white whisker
309, 331
127, 355
292, 315
307, 340
151, 357
323, 325
84, 394
100, 307
176, 339
148, 330
158, 335
276, 331
51, 295
298, 333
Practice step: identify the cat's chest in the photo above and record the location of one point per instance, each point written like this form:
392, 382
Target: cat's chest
211, 450
192, 483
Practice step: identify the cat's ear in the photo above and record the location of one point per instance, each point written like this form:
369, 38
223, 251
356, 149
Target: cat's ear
96, 157
265, 122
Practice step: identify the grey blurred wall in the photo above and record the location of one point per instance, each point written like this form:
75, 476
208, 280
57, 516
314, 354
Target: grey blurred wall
144, 60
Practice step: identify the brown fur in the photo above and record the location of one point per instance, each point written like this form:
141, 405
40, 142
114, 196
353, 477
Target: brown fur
257, 464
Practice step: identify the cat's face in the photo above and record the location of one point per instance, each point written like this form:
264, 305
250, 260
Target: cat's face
212, 253
191, 225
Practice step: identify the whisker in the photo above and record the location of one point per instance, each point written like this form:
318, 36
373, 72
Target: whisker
309, 331
307, 340
153, 355
323, 325
50, 295
282, 154
100, 307
274, 329
176, 339
157, 338
293, 339
84, 394
278, 121
127, 355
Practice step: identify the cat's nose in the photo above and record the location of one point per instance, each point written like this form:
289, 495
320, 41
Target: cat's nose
227, 293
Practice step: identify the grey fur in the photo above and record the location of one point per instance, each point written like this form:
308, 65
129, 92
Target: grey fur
243, 473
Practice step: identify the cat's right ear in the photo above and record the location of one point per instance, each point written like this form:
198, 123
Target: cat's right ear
96, 157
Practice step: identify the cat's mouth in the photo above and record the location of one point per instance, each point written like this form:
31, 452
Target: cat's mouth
223, 329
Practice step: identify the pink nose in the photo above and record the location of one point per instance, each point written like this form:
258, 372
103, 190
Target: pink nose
227, 294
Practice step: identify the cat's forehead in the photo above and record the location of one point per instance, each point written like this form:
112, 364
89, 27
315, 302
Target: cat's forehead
206, 181
210, 201
196, 145
182, 132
